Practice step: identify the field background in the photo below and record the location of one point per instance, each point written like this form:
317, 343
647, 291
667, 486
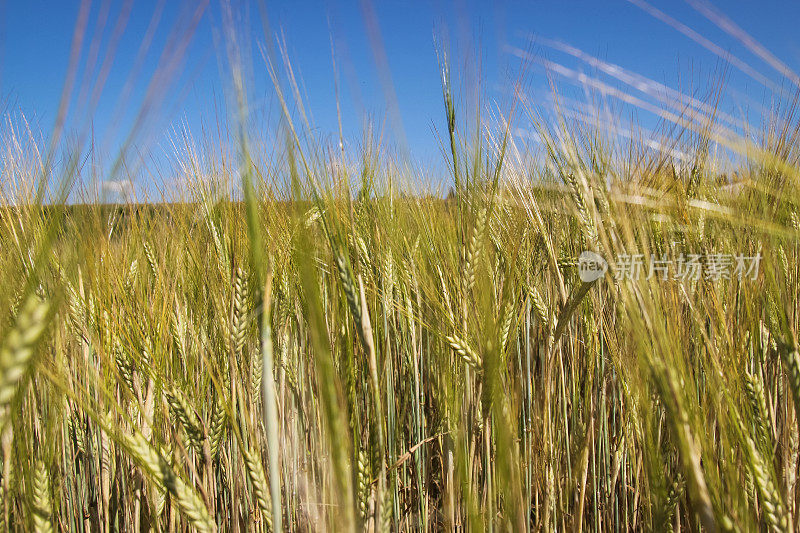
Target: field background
305, 336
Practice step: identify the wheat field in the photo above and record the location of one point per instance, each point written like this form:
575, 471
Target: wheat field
306, 339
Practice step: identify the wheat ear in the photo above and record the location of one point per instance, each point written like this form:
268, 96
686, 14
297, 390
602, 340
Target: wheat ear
464, 350
187, 417
41, 499
159, 472
255, 472
17, 350
771, 502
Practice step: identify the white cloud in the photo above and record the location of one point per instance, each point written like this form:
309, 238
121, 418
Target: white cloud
115, 190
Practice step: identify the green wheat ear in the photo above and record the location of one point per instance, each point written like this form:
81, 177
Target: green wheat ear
41, 499
758, 403
160, 473
18, 347
240, 318
539, 306
185, 414
255, 473
152, 262
464, 350
791, 363
771, 501
217, 425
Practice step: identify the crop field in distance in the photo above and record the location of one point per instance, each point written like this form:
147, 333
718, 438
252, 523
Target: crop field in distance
297, 333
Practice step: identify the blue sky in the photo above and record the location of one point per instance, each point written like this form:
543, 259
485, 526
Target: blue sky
35, 38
